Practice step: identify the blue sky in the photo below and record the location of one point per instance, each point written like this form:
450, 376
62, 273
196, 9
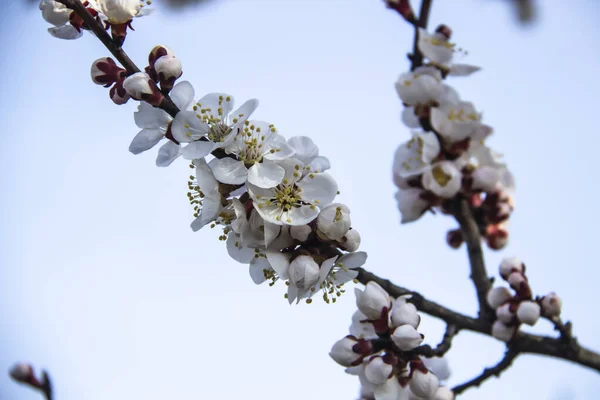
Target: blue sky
103, 283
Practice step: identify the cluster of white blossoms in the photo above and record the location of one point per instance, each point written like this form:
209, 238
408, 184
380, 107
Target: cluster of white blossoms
116, 14
270, 195
382, 350
447, 156
514, 309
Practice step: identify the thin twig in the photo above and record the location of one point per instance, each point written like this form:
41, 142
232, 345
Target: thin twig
46, 387
443, 347
496, 370
116, 50
523, 342
468, 225
416, 57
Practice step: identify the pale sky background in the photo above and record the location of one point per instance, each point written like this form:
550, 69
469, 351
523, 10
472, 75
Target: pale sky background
103, 283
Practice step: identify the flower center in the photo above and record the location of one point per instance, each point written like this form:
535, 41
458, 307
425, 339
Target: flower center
218, 131
287, 196
440, 175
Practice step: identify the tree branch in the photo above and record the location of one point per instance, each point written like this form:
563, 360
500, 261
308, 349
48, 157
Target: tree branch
416, 57
522, 343
443, 347
468, 225
117, 51
496, 370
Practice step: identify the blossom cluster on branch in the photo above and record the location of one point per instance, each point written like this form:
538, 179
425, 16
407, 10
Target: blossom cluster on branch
274, 203
447, 155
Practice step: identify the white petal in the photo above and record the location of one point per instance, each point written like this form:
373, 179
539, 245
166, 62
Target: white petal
279, 262
292, 293
65, 32
149, 117
293, 170
320, 164
167, 153
187, 127
211, 206
182, 95
236, 251
245, 111
218, 105
258, 265
463, 69
265, 175
228, 170
145, 139
299, 215
305, 148
319, 189
410, 119
410, 204
271, 233
432, 47
197, 149
353, 260
206, 180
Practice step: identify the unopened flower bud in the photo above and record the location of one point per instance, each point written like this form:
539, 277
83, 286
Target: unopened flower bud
503, 332
510, 265
444, 30
334, 221
377, 371
300, 232
350, 351
424, 384
528, 312
168, 69
496, 236
54, 12
516, 280
505, 313
351, 240
156, 53
118, 94
304, 272
406, 337
498, 296
405, 314
454, 238
105, 72
444, 393
372, 300
439, 366
403, 8
140, 87
551, 305
22, 372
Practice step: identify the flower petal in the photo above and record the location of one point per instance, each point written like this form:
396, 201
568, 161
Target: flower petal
279, 262
299, 215
182, 95
230, 171
167, 153
258, 266
149, 117
145, 140
305, 148
319, 189
197, 149
410, 119
235, 249
265, 175
187, 127
463, 69
65, 32
271, 233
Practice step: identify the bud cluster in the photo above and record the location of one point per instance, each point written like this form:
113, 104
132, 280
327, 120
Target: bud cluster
382, 349
518, 306
116, 14
447, 158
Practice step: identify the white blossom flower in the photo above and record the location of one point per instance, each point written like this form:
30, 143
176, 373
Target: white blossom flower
211, 124
372, 300
444, 179
58, 14
416, 155
498, 296
503, 332
551, 305
255, 149
360, 328
528, 312
297, 200
458, 121
440, 51
155, 122
121, 11
303, 272
406, 337
421, 86
491, 174
334, 221
411, 204
424, 384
